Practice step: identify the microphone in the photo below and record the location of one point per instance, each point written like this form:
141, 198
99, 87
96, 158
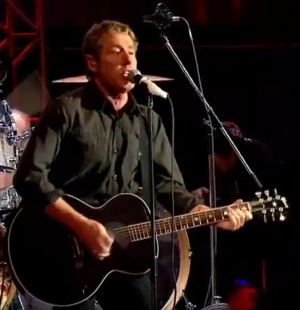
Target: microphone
135, 77
162, 17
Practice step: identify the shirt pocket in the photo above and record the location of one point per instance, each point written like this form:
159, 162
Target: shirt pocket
93, 142
90, 145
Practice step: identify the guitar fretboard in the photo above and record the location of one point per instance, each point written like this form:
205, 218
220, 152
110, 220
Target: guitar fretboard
142, 231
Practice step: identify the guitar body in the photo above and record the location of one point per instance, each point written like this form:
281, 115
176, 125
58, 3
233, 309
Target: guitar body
49, 263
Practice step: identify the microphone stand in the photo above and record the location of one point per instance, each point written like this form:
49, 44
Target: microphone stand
152, 205
212, 185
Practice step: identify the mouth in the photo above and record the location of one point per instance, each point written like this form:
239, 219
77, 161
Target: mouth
126, 73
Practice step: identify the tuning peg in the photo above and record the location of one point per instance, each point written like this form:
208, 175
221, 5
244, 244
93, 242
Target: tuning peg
281, 217
272, 214
275, 192
264, 212
267, 193
283, 199
258, 194
265, 218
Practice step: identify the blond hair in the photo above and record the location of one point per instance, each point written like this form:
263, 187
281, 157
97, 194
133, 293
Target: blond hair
92, 39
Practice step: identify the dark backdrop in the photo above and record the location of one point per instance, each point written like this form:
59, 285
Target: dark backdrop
249, 61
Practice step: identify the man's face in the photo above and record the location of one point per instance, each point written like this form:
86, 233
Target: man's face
116, 58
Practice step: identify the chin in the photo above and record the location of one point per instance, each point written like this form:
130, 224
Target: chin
127, 87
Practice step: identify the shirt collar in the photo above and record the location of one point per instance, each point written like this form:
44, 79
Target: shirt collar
101, 103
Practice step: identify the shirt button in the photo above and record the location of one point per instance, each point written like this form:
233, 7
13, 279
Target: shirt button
115, 177
115, 151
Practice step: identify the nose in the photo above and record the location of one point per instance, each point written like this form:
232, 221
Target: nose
128, 58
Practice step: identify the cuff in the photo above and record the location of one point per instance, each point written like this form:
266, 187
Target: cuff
44, 200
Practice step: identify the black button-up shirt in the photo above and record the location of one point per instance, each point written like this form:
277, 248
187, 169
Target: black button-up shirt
82, 147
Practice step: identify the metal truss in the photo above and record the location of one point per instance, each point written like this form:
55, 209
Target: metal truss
35, 37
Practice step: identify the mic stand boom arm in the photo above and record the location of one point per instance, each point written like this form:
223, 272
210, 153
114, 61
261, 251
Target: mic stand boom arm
212, 187
211, 112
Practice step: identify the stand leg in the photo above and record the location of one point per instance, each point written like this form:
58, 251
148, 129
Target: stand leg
97, 306
188, 304
20, 301
17, 303
263, 271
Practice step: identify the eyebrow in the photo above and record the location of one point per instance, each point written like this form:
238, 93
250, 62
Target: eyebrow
119, 46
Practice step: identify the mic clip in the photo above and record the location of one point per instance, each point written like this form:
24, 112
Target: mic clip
164, 17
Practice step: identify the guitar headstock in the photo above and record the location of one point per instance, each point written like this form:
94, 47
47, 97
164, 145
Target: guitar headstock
273, 206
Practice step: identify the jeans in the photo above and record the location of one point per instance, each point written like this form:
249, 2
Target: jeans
120, 291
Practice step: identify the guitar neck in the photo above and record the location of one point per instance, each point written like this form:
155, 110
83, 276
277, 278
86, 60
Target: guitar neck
142, 231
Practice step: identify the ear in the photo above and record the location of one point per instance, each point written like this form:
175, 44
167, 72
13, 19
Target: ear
91, 63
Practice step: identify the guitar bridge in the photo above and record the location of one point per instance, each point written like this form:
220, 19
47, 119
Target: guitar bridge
77, 253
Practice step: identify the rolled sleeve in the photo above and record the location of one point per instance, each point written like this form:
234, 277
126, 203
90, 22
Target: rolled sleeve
184, 201
31, 179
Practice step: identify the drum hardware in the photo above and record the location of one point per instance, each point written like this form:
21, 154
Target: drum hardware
188, 304
97, 306
11, 137
8, 141
6, 170
18, 302
2, 285
26, 134
219, 306
7, 288
3, 125
8, 199
83, 79
22, 141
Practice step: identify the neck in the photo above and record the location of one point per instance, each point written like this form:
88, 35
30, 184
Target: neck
165, 226
118, 100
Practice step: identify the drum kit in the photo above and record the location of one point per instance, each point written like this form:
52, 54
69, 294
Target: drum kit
13, 140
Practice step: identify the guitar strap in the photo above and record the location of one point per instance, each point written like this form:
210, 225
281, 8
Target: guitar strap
145, 167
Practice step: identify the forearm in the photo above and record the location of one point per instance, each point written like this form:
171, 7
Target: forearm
35, 187
31, 179
62, 212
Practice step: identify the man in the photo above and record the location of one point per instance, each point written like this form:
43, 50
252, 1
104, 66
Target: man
87, 144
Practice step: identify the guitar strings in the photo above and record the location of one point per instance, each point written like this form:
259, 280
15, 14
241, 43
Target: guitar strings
184, 221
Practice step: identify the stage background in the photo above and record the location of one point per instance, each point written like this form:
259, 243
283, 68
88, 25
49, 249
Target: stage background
248, 54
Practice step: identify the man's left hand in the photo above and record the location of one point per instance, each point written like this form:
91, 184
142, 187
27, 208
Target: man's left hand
237, 217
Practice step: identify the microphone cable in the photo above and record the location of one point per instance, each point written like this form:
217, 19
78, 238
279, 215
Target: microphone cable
173, 200
172, 161
207, 115
194, 52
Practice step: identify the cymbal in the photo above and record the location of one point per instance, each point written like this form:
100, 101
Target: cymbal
84, 79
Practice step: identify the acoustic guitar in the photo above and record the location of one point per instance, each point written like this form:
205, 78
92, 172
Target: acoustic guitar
48, 261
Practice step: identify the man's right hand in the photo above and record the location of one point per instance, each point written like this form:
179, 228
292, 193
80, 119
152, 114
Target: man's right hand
96, 238
92, 233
